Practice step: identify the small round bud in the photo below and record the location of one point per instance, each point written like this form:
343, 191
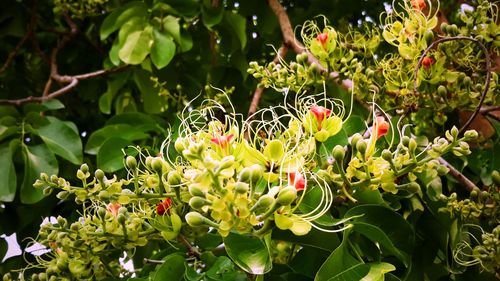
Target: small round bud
245, 175
47, 191
195, 219
405, 141
197, 202
63, 195
174, 178
412, 145
44, 177
355, 139
361, 146
101, 212
121, 218
471, 134
429, 36
226, 162
131, 162
148, 161
80, 175
495, 176
99, 175
338, 153
264, 202
54, 179
157, 165
179, 145
387, 155
241, 187
39, 184
103, 195
257, 172
286, 196
196, 190
84, 168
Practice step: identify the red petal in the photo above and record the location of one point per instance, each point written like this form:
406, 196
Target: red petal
322, 37
320, 112
381, 126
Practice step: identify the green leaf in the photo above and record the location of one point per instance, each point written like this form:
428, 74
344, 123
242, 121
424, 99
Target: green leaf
52, 104
315, 238
123, 131
173, 268
249, 253
3, 248
62, 138
135, 119
211, 16
310, 202
114, 85
37, 159
110, 155
385, 227
172, 27
137, 46
337, 262
163, 49
153, 102
8, 180
237, 23
354, 124
365, 272
120, 16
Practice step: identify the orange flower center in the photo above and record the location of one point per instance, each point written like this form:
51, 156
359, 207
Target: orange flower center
320, 113
322, 38
381, 127
297, 180
222, 141
164, 206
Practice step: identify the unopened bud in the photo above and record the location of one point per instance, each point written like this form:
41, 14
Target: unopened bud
101, 212
361, 146
286, 196
179, 145
241, 187
174, 178
387, 155
195, 219
84, 168
157, 165
121, 218
471, 135
131, 162
338, 153
264, 202
99, 175
495, 176
196, 190
226, 162
63, 195
197, 202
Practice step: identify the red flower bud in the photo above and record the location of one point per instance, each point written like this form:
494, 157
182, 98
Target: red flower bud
381, 127
222, 141
320, 112
164, 206
297, 180
322, 38
113, 208
418, 4
427, 62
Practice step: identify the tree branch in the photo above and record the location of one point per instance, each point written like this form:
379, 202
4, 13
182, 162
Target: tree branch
29, 33
192, 250
468, 184
487, 68
258, 92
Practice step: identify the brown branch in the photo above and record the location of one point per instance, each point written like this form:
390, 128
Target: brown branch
258, 92
150, 261
487, 68
29, 33
468, 184
191, 249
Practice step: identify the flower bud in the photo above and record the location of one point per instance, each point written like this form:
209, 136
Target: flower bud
405, 141
38, 184
338, 153
412, 145
241, 187
54, 179
157, 164
80, 175
226, 162
101, 212
174, 178
148, 161
257, 172
495, 176
63, 195
195, 219
121, 218
47, 191
197, 202
131, 162
264, 202
387, 155
196, 190
44, 177
179, 145
471, 135
361, 146
286, 196
245, 174
84, 168
99, 175
355, 138
61, 221
103, 195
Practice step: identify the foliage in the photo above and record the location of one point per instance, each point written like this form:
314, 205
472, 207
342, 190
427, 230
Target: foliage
348, 173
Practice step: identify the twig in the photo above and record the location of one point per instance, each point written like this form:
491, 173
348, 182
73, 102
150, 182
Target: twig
150, 261
468, 184
258, 92
21, 42
488, 73
192, 250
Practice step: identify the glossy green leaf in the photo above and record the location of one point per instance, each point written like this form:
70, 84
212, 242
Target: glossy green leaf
365, 272
211, 16
137, 46
354, 124
237, 23
52, 104
8, 179
171, 26
153, 102
163, 49
120, 16
37, 159
122, 131
337, 262
62, 138
315, 238
173, 268
310, 202
249, 253
114, 85
110, 155
385, 227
